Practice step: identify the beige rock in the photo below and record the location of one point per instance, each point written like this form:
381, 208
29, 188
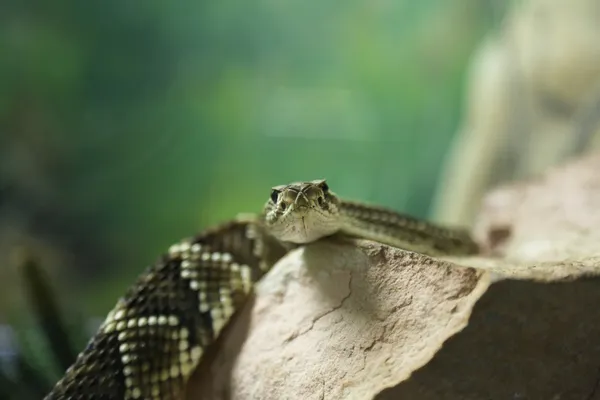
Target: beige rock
343, 319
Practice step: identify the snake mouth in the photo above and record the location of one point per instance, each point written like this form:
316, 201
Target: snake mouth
298, 229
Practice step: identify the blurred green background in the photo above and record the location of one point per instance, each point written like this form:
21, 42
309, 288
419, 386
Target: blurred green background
126, 126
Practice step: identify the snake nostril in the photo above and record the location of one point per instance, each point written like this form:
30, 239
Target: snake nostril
321, 201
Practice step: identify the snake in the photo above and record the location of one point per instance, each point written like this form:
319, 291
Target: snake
160, 329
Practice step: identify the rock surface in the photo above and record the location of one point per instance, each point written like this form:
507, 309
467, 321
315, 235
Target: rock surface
343, 319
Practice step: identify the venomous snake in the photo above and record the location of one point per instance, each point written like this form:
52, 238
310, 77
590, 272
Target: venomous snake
159, 330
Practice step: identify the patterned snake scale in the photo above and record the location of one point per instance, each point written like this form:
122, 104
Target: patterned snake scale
156, 335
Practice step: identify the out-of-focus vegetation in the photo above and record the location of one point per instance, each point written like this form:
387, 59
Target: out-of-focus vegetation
126, 126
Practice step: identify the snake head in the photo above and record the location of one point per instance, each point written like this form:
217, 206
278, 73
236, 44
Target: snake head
302, 212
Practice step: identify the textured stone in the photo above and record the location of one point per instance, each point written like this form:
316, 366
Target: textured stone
345, 319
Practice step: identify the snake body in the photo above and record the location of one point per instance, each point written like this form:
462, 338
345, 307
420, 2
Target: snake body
159, 330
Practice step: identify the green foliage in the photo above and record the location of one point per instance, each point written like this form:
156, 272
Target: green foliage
151, 120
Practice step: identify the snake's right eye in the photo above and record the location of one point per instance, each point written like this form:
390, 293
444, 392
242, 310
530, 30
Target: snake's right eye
274, 195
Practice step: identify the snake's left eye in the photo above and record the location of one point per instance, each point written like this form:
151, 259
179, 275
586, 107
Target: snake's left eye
274, 195
324, 187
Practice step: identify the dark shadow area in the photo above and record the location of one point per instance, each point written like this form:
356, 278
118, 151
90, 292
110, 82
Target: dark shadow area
524, 341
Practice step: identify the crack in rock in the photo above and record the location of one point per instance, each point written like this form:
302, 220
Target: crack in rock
297, 334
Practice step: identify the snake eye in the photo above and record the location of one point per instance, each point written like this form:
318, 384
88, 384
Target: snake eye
274, 195
324, 187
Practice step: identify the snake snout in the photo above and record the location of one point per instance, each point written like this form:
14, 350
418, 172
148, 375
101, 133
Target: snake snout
301, 201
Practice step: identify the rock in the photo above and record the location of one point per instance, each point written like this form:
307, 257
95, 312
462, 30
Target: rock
353, 319
339, 320
525, 340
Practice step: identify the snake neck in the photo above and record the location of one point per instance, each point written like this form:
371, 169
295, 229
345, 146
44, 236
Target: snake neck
403, 231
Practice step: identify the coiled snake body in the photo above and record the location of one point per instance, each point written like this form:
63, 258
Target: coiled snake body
159, 330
